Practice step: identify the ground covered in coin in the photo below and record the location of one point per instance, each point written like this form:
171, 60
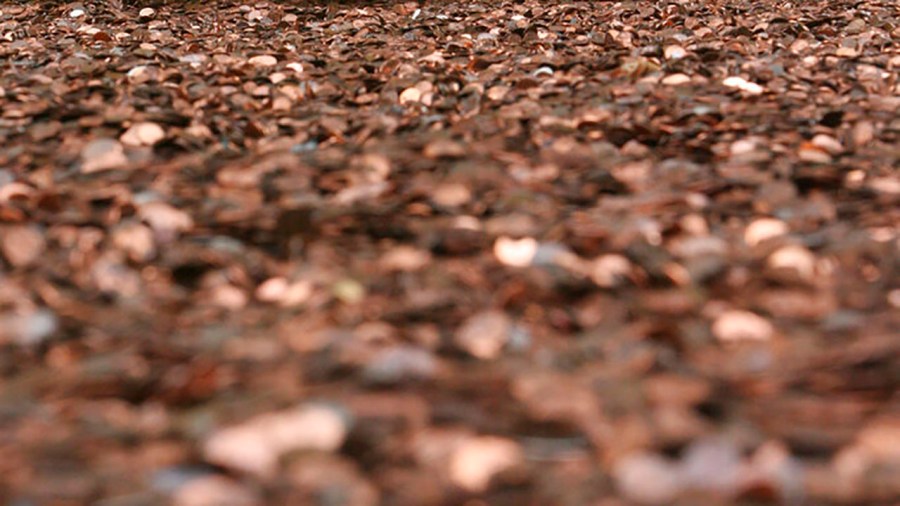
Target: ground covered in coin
440, 253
